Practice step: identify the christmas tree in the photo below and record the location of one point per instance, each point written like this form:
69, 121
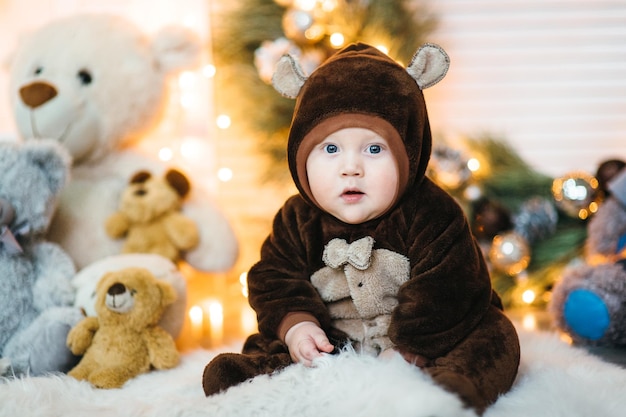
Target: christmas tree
250, 39
530, 226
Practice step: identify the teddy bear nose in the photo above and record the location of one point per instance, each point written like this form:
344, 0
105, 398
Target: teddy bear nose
37, 93
116, 289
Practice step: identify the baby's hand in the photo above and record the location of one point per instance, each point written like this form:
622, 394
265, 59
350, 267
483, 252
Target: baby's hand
387, 354
306, 341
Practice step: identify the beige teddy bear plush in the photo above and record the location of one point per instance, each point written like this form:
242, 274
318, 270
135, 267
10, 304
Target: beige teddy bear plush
358, 284
149, 216
124, 339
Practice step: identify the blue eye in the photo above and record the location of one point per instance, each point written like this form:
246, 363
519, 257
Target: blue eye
330, 148
375, 149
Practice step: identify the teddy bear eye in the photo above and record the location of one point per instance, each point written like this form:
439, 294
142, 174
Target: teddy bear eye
38, 70
85, 77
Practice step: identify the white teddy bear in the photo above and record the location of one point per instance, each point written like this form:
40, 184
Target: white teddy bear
98, 85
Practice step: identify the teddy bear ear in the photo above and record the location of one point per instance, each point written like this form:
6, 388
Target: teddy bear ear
178, 181
52, 158
288, 77
140, 177
7, 59
176, 48
429, 65
617, 187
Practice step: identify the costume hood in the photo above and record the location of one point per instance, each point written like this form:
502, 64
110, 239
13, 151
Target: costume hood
360, 86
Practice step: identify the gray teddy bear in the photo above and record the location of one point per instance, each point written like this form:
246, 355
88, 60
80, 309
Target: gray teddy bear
36, 293
589, 301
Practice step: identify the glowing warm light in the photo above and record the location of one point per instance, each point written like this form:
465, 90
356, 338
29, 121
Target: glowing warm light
223, 121
337, 40
194, 148
314, 33
383, 49
306, 5
528, 296
566, 338
189, 100
243, 280
472, 192
248, 320
209, 71
190, 21
529, 322
187, 80
166, 154
329, 6
225, 174
216, 321
216, 311
196, 315
508, 248
473, 164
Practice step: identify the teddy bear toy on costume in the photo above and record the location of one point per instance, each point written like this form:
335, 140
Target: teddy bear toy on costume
589, 301
124, 339
36, 293
149, 217
100, 86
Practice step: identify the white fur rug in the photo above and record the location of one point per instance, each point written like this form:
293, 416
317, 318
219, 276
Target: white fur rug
554, 380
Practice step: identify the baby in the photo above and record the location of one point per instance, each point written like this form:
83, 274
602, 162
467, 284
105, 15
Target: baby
371, 252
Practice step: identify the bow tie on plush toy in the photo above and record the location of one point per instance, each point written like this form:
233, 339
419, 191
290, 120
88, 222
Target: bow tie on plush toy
8, 235
338, 252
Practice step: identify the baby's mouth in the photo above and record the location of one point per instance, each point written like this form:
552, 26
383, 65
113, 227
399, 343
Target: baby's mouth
352, 196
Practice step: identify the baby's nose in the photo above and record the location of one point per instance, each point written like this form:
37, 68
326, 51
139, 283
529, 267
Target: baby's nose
352, 166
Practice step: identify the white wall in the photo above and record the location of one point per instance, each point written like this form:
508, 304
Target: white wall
547, 75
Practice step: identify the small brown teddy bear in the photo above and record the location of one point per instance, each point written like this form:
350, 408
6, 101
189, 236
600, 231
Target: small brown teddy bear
149, 216
124, 340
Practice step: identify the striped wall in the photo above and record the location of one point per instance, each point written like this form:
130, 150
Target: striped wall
547, 75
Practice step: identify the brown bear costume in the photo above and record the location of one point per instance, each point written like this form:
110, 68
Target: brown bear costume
444, 315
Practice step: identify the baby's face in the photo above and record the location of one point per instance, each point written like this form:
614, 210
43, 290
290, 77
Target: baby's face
353, 175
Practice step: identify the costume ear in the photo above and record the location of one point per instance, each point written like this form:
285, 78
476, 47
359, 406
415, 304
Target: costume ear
617, 187
288, 77
429, 65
